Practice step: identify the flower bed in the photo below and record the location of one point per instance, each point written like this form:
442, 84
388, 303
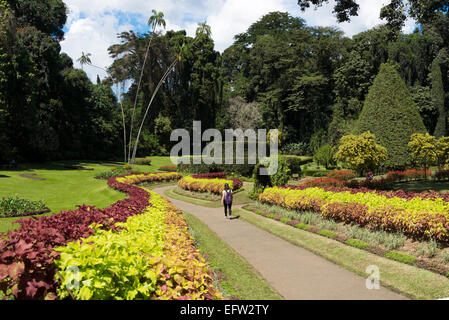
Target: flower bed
28, 259
342, 175
168, 168
27, 254
150, 177
409, 175
209, 184
152, 258
213, 175
416, 217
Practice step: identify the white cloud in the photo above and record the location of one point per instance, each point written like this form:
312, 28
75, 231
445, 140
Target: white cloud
93, 24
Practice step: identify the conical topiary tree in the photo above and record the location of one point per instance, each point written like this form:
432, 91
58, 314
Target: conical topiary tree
391, 115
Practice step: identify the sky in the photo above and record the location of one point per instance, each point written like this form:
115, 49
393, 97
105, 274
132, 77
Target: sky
92, 25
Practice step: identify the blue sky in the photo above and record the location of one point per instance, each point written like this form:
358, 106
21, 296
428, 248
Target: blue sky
93, 25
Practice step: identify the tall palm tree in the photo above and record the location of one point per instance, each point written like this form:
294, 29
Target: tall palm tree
182, 52
204, 28
156, 20
84, 59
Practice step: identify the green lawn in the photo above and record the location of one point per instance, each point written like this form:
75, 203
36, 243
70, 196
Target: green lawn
236, 277
420, 186
63, 188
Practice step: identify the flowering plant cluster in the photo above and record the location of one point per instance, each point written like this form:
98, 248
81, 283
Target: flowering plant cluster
342, 175
209, 184
213, 175
416, 217
168, 168
409, 175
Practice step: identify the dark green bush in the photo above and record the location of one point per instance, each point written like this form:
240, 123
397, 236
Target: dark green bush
295, 162
391, 115
324, 156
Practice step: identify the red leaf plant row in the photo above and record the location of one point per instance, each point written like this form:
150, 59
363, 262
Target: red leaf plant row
426, 195
213, 175
26, 254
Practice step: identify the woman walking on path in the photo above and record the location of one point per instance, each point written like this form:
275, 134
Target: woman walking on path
226, 199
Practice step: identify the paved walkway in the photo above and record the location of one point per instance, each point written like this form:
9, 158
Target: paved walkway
295, 273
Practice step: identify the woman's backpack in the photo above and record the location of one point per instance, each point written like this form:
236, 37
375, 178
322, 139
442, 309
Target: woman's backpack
228, 197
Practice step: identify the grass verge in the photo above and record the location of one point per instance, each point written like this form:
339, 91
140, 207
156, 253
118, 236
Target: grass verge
238, 278
412, 281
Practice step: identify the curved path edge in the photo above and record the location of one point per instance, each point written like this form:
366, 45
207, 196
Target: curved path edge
294, 272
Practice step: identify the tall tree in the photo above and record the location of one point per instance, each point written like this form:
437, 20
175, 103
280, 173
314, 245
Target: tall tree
156, 20
438, 97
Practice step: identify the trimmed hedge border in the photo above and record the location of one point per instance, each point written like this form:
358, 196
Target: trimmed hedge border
393, 255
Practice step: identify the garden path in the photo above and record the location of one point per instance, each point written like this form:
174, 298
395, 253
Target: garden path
295, 273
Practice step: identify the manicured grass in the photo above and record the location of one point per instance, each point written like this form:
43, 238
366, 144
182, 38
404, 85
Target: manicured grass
424, 185
241, 280
63, 188
412, 281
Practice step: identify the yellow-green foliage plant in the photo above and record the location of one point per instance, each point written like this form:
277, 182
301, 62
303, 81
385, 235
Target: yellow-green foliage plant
204, 185
424, 148
151, 177
361, 152
152, 257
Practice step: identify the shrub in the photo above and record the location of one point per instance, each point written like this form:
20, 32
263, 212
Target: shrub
112, 173
282, 175
391, 115
324, 156
143, 161
408, 175
16, 207
342, 175
441, 175
327, 233
298, 149
401, 257
302, 226
361, 153
295, 162
285, 220
357, 243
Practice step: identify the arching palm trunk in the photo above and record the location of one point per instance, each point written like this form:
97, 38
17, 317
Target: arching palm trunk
148, 108
138, 91
124, 124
